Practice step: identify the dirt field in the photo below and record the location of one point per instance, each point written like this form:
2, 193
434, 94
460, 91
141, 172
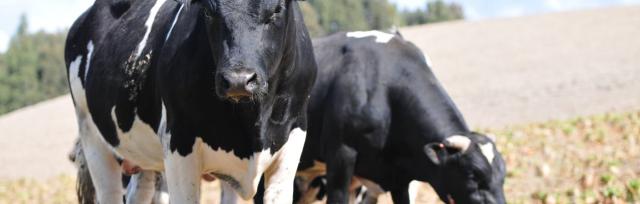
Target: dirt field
503, 72
537, 68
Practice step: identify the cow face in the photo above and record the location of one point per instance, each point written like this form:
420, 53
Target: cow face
249, 39
471, 170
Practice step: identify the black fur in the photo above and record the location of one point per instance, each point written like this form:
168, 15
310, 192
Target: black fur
373, 110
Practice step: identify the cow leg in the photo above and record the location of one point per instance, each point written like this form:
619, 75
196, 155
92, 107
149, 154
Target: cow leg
161, 196
401, 194
227, 194
104, 169
339, 173
279, 178
142, 187
183, 174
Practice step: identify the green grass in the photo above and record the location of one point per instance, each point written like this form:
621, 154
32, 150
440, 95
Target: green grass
589, 160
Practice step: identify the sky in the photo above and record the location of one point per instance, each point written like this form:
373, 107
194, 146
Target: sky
55, 15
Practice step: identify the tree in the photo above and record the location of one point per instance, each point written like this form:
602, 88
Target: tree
32, 69
380, 14
436, 11
311, 19
339, 15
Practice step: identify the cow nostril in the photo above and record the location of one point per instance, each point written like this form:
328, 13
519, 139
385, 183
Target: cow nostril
225, 83
253, 79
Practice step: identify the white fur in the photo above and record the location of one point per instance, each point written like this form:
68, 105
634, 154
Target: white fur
487, 151
183, 175
77, 90
246, 173
89, 55
105, 170
161, 198
227, 194
373, 189
427, 59
414, 186
140, 145
280, 178
141, 187
381, 37
149, 24
175, 20
460, 142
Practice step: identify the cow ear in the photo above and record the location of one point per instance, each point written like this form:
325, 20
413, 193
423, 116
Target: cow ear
450, 148
461, 143
436, 152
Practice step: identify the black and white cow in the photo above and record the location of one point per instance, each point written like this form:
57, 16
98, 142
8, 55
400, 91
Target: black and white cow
379, 117
201, 87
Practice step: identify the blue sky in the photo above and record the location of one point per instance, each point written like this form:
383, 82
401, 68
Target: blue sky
53, 15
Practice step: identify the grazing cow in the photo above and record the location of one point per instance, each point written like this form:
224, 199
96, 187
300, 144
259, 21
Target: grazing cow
191, 88
379, 117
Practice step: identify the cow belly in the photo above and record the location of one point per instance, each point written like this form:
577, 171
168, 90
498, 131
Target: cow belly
140, 145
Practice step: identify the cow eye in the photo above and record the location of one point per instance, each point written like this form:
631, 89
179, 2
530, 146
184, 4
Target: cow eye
207, 14
275, 14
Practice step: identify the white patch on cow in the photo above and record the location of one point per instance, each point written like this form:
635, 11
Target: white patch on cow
427, 59
245, 173
414, 186
381, 37
162, 198
184, 174
77, 90
141, 187
373, 189
227, 194
360, 195
175, 20
105, 170
140, 144
460, 142
149, 24
89, 55
280, 178
487, 151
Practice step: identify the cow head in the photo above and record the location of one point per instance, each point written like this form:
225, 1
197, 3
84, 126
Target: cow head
471, 170
249, 39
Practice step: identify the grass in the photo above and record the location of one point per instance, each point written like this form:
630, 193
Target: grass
584, 160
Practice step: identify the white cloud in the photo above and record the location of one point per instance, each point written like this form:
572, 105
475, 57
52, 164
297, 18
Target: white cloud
512, 12
48, 15
4, 41
410, 4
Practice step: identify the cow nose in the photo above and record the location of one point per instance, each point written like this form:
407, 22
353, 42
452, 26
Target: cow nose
239, 84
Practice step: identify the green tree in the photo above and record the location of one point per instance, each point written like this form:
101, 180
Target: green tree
380, 14
311, 19
340, 15
32, 69
438, 11
435, 11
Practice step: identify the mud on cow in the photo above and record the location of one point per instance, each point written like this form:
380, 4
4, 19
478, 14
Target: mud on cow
200, 87
379, 117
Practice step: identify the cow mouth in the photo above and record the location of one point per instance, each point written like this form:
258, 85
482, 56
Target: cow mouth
240, 98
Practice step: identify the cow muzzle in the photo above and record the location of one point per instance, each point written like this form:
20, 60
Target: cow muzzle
239, 85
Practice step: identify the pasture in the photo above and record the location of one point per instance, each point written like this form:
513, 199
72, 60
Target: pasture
581, 160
